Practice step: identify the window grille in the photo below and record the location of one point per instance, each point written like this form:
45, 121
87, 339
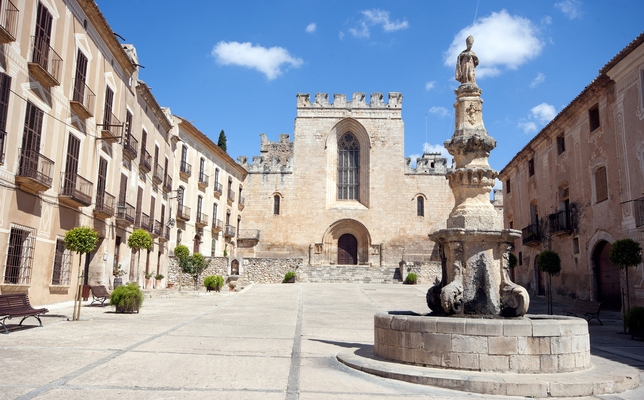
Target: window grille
348, 167
62, 264
20, 255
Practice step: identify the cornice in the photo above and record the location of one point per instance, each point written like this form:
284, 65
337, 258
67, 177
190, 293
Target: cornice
144, 90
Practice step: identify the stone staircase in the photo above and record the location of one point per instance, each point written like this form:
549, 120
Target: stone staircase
348, 274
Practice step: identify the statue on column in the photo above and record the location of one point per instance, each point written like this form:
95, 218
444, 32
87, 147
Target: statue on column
466, 62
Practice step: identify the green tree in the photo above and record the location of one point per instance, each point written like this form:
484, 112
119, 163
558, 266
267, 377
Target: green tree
626, 253
81, 239
222, 140
139, 239
549, 262
193, 265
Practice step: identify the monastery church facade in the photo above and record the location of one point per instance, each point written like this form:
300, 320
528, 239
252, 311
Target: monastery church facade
342, 192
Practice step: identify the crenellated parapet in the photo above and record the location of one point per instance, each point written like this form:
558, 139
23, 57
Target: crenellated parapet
357, 107
428, 164
275, 158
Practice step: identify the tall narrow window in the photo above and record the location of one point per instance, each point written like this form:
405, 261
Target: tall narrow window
107, 113
62, 263
20, 255
199, 209
31, 141
139, 206
507, 186
531, 167
561, 143
348, 167
214, 213
42, 36
123, 190
593, 117
601, 185
101, 183
276, 205
202, 169
5, 87
420, 206
71, 165
79, 78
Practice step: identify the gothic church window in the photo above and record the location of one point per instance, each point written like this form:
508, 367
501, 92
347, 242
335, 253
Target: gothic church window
348, 167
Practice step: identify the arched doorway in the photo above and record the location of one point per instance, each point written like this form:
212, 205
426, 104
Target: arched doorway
347, 250
607, 277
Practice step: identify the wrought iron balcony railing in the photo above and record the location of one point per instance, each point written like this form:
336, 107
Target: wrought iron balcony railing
143, 221
8, 21
241, 202
82, 100
126, 212
111, 128
130, 147
219, 188
75, 189
167, 183
560, 222
530, 235
158, 174
45, 63
105, 204
231, 195
35, 170
183, 212
157, 230
230, 231
202, 220
203, 180
145, 163
185, 169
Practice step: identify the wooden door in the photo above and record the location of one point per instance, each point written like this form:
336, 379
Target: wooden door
608, 279
347, 250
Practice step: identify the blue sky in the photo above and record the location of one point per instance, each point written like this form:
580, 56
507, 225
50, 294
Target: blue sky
238, 65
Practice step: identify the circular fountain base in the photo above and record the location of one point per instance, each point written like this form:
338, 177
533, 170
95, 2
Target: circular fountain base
531, 344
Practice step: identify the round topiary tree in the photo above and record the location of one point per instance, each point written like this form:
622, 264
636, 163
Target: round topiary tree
626, 253
139, 239
81, 240
549, 262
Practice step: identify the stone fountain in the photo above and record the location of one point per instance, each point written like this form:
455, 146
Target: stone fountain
478, 323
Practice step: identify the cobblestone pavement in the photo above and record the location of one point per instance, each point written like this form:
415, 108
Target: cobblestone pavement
265, 342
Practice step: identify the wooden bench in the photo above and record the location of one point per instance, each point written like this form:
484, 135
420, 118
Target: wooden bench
99, 294
17, 305
585, 309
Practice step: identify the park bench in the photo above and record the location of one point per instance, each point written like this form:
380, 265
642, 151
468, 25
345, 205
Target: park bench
585, 309
17, 305
99, 294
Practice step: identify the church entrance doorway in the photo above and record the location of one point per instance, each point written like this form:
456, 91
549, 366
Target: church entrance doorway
608, 279
347, 250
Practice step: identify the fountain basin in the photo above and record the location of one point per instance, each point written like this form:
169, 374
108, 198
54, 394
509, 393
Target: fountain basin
529, 344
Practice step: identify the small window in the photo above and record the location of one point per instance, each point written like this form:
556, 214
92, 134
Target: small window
561, 144
593, 117
575, 245
511, 224
601, 185
531, 167
507, 186
179, 232
420, 206
20, 255
276, 205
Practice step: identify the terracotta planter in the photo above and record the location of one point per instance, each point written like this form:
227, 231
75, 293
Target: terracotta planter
157, 284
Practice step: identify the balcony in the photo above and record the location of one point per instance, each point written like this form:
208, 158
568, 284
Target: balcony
561, 222
229, 231
143, 221
112, 128
217, 225
75, 191
3, 134
166, 234
639, 212
82, 102
202, 220
130, 147
158, 175
35, 172
145, 162
125, 213
219, 189
241, 202
530, 235
231, 196
167, 183
157, 229
45, 63
185, 170
203, 180
183, 213
105, 204
8, 22
248, 237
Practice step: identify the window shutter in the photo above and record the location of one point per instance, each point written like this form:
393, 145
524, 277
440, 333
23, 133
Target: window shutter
601, 185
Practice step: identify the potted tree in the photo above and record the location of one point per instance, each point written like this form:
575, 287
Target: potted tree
634, 321
213, 282
157, 279
139, 239
625, 253
148, 279
81, 239
127, 298
289, 277
549, 262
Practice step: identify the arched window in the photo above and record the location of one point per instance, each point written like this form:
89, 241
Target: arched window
420, 206
348, 167
276, 205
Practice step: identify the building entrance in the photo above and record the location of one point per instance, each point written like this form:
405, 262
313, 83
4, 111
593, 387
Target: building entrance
607, 276
347, 250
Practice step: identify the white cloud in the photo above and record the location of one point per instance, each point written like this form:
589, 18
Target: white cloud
440, 111
269, 61
543, 113
363, 32
527, 127
501, 41
540, 78
430, 85
571, 8
380, 17
310, 28
341, 35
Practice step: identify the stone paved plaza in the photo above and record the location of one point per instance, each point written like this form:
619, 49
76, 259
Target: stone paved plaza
265, 342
